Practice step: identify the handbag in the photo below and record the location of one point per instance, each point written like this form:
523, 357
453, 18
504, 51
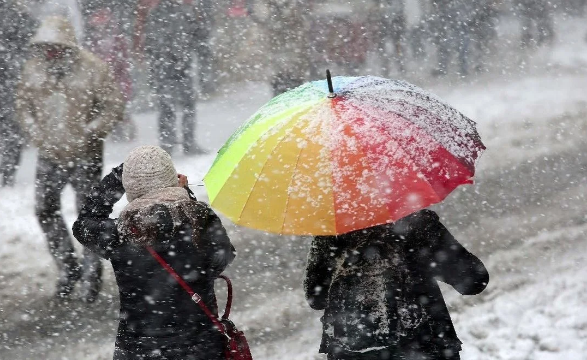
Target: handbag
236, 346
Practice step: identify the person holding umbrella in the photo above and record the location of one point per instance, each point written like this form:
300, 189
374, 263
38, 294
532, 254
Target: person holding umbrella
378, 289
355, 162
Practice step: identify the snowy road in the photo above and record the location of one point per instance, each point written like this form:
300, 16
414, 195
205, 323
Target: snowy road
525, 217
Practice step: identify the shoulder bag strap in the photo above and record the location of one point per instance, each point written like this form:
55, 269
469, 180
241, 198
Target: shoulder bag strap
229, 298
195, 296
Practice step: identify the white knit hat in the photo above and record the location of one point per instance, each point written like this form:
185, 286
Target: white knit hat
147, 168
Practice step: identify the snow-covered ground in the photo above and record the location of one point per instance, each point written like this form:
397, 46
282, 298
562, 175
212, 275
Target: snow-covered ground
524, 217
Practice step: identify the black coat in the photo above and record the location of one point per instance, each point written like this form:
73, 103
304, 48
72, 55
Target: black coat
156, 314
16, 28
172, 32
378, 287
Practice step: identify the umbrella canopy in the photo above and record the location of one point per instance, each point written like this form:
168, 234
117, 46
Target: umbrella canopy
331, 157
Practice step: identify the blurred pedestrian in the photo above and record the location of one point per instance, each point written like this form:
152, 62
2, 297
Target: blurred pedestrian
67, 103
420, 34
451, 23
105, 39
286, 27
378, 289
171, 30
123, 10
158, 320
392, 26
578, 7
536, 22
17, 27
483, 32
205, 56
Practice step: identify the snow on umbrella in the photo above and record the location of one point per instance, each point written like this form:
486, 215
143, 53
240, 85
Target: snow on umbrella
343, 154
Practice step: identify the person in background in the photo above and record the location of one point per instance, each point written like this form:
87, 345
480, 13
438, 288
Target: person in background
286, 27
483, 32
16, 28
392, 26
69, 9
204, 52
166, 34
105, 40
67, 103
536, 22
451, 24
378, 289
158, 319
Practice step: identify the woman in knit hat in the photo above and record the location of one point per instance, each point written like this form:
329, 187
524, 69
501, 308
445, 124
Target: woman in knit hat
158, 320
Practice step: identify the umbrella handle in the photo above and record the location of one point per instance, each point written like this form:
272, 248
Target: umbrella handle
331, 94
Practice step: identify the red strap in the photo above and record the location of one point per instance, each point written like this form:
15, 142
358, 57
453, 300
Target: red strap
195, 296
229, 298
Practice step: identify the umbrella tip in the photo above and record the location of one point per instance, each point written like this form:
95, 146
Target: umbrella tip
330, 87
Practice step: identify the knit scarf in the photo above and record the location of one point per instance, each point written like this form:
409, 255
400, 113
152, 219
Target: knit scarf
144, 219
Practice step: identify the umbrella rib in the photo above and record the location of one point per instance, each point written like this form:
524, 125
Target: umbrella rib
250, 146
411, 121
290, 182
431, 100
336, 115
400, 147
265, 164
364, 151
245, 127
257, 179
462, 161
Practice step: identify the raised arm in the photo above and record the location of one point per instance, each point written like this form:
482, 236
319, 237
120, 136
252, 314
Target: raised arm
446, 259
218, 246
94, 228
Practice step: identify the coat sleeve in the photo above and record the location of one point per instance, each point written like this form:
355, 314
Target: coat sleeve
447, 260
219, 249
94, 228
25, 110
200, 23
319, 270
108, 104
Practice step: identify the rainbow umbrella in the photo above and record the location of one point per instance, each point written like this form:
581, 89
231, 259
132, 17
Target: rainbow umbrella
343, 154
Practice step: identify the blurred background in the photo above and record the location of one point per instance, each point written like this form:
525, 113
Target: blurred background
286, 42
516, 67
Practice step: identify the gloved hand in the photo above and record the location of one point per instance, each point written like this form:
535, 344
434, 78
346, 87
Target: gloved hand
117, 172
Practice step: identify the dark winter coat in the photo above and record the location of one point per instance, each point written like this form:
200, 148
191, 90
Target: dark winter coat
172, 31
378, 287
288, 32
16, 28
156, 314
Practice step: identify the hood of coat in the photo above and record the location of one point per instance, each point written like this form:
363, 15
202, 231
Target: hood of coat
55, 30
163, 211
66, 106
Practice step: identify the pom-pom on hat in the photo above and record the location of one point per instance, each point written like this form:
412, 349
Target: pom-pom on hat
147, 168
